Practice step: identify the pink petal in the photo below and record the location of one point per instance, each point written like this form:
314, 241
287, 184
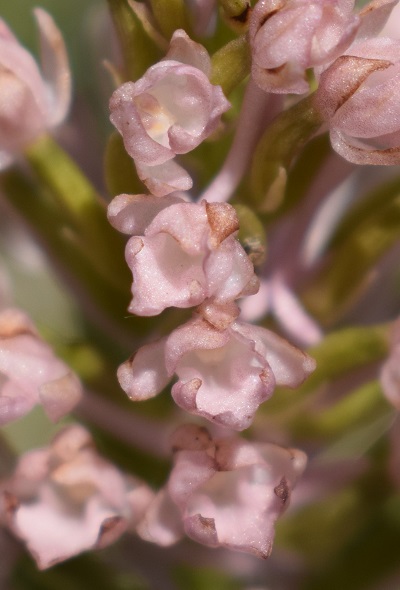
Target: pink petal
132, 214
290, 365
55, 67
183, 49
221, 377
33, 374
60, 396
162, 522
165, 178
144, 375
374, 17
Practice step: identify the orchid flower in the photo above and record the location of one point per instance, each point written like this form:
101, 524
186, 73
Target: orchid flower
229, 492
66, 499
30, 372
364, 121
169, 111
224, 374
32, 101
188, 253
289, 37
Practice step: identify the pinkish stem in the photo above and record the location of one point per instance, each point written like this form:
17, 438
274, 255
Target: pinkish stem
141, 432
258, 110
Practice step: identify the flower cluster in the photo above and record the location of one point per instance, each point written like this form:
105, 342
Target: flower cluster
250, 235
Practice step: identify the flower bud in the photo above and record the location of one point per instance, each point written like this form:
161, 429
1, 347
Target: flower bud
290, 36
358, 98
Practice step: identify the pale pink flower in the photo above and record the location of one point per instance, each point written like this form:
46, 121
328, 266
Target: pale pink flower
30, 373
223, 374
188, 253
289, 36
32, 102
357, 96
169, 111
229, 492
66, 499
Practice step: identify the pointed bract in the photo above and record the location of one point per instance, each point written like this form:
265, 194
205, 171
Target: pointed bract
357, 96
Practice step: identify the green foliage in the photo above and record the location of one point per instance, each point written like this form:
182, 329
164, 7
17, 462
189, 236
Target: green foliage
79, 573
204, 579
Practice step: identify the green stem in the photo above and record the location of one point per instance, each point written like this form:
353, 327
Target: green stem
356, 409
231, 64
339, 353
138, 50
82, 208
63, 246
350, 263
170, 16
281, 142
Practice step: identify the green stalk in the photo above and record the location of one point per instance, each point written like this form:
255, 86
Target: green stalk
138, 49
82, 208
339, 353
281, 142
63, 246
358, 408
170, 15
231, 64
352, 260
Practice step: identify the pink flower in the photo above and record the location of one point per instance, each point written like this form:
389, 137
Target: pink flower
66, 499
31, 102
188, 253
30, 373
357, 96
223, 374
288, 37
229, 492
169, 111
